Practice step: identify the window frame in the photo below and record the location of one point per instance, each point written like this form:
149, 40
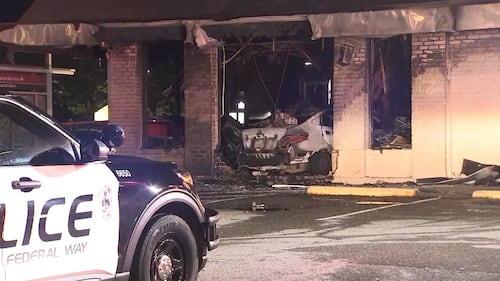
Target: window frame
370, 73
45, 122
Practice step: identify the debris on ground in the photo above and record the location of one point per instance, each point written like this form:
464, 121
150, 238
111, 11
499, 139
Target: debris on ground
474, 173
237, 183
258, 207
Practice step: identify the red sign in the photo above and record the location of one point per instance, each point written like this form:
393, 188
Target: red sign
25, 78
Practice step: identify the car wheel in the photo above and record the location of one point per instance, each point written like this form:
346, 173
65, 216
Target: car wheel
168, 252
320, 163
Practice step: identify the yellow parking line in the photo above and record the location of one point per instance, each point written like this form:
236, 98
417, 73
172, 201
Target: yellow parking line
362, 191
486, 194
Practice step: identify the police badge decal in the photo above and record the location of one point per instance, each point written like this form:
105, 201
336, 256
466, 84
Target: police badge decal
106, 201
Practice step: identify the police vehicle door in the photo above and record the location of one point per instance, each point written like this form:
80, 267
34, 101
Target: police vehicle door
58, 219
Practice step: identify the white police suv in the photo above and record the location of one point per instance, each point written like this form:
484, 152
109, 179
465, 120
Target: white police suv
69, 210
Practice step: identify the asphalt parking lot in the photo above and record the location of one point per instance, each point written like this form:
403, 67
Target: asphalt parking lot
323, 186
301, 236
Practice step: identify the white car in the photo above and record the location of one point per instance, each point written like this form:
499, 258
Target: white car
296, 148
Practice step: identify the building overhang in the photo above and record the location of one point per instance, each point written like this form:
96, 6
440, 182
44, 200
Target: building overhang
98, 11
90, 22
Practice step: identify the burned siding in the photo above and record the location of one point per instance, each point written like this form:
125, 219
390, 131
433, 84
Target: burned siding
429, 105
474, 87
455, 100
350, 107
349, 80
428, 50
464, 43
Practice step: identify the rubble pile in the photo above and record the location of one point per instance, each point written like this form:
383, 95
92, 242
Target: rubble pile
398, 137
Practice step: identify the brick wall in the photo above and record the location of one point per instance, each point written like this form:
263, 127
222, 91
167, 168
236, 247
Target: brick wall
455, 99
455, 102
357, 163
350, 105
126, 97
429, 108
125, 92
474, 96
201, 109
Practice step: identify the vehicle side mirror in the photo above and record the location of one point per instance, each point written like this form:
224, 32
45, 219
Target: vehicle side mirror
113, 136
94, 150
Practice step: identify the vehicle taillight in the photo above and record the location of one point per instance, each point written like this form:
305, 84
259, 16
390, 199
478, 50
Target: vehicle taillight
292, 139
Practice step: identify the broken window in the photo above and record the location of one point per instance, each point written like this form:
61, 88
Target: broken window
281, 83
276, 76
390, 92
164, 100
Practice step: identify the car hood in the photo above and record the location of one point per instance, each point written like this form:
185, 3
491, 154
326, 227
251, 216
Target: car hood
129, 168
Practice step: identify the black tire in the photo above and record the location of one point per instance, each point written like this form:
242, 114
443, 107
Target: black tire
320, 163
168, 252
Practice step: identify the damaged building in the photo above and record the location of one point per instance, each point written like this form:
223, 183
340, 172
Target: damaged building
418, 97
412, 85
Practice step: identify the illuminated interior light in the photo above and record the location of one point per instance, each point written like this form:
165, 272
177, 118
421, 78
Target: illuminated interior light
63, 71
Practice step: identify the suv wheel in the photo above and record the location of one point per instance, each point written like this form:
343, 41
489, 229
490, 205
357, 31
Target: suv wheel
168, 252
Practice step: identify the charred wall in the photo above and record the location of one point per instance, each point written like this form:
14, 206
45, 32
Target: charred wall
454, 115
350, 106
428, 51
474, 100
429, 105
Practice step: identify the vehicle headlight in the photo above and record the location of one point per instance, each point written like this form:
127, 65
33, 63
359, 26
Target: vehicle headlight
186, 178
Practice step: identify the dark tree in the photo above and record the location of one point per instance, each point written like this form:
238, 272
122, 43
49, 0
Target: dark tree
81, 94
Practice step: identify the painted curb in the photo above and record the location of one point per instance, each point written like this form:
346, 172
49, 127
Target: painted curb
362, 191
486, 194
